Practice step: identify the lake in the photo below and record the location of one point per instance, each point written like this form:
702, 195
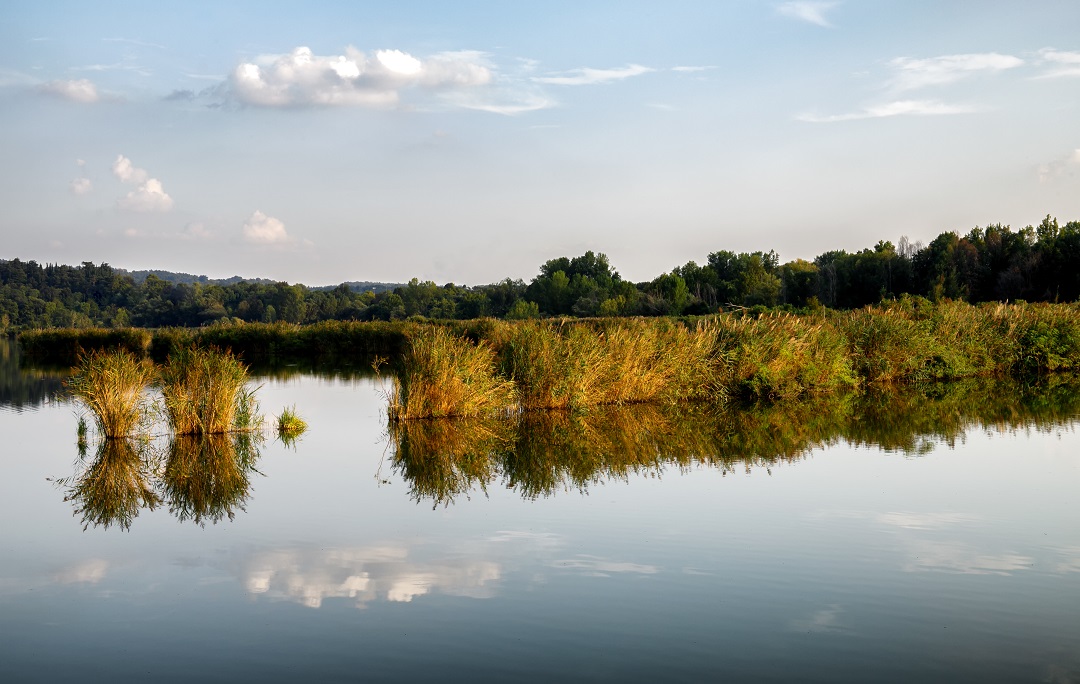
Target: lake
918, 536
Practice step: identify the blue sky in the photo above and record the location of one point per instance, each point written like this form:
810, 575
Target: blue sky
470, 141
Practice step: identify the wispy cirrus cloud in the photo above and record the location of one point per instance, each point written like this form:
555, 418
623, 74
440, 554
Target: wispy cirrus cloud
1060, 63
890, 109
76, 90
914, 74
810, 11
693, 69
589, 76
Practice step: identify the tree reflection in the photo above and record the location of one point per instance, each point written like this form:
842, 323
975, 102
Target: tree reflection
114, 487
541, 453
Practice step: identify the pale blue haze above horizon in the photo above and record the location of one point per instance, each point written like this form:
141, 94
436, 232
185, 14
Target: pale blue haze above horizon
467, 142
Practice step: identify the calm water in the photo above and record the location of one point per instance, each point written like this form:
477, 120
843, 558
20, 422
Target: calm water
929, 537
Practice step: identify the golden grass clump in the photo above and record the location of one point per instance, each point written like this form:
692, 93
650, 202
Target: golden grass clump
113, 384
205, 393
447, 376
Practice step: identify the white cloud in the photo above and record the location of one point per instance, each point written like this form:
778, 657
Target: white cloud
126, 172
196, 230
148, 197
588, 76
692, 69
1063, 64
301, 78
79, 90
808, 11
913, 74
81, 186
1062, 166
261, 229
889, 109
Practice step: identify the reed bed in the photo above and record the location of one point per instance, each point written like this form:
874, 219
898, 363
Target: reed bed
112, 385
446, 376
205, 392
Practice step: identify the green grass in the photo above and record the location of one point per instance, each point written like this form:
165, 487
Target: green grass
290, 425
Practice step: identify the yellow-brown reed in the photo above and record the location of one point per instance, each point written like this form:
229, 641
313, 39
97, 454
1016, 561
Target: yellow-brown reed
447, 376
204, 391
112, 384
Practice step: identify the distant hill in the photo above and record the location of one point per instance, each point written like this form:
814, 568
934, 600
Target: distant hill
189, 279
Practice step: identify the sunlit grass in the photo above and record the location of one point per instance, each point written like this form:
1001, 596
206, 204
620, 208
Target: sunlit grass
112, 385
205, 392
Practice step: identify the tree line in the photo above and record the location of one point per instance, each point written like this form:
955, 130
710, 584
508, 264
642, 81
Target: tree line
995, 263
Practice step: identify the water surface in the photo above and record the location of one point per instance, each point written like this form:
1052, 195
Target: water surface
929, 536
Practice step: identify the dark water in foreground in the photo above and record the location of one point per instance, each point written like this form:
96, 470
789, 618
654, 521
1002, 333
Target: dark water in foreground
927, 536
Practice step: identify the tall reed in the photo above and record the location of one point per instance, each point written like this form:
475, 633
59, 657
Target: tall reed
205, 392
447, 376
113, 384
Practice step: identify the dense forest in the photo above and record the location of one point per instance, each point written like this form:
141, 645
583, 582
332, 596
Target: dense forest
1036, 263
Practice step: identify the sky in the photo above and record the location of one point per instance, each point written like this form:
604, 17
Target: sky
468, 142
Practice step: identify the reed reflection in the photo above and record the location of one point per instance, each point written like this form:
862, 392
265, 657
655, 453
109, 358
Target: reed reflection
114, 487
541, 453
207, 478
200, 478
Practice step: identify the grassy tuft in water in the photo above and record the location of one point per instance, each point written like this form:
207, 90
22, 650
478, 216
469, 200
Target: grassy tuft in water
205, 393
290, 426
112, 385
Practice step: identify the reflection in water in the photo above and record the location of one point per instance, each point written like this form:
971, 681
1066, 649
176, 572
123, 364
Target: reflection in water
114, 487
22, 388
208, 477
202, 479
540, 453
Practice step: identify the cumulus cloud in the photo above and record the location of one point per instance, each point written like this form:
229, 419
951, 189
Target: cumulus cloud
808, 11
1066, 165
81, 186
149, 196
196, 230
1061, 64
261, 229
126, 172
912, 74
78, 90
588, 76
890, 109
302, 79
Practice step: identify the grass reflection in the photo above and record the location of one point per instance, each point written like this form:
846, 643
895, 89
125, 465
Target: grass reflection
540, 453
203, 479
207, 478
114, 487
